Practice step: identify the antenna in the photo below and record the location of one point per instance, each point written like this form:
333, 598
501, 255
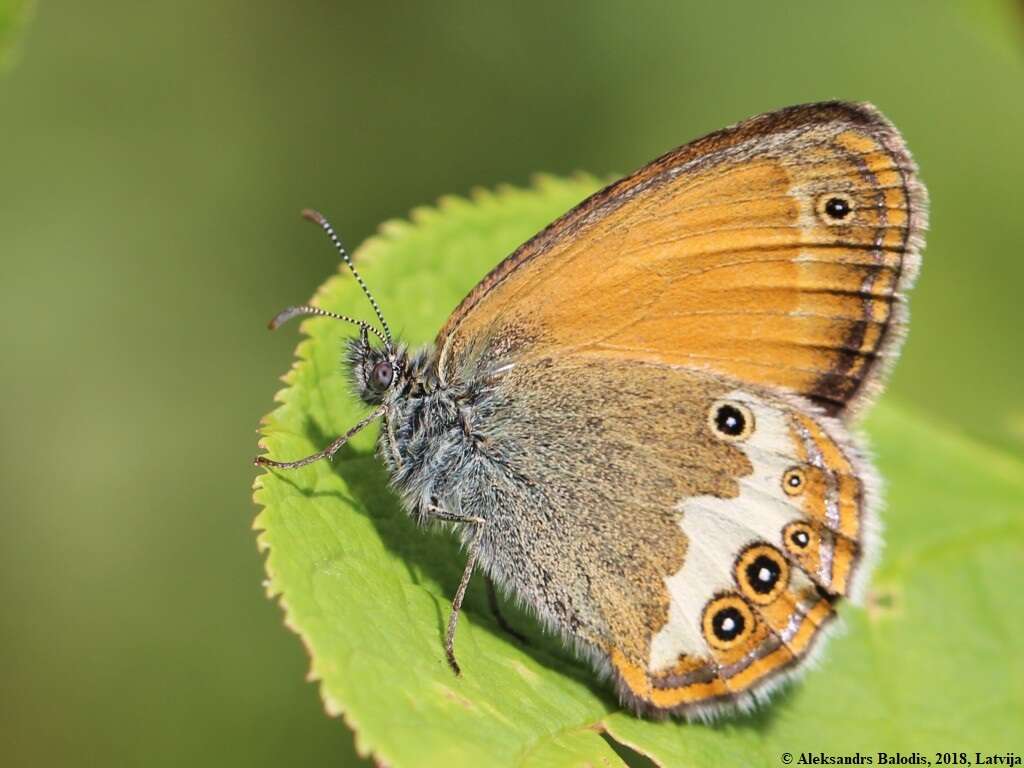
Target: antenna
317, 218
288, 313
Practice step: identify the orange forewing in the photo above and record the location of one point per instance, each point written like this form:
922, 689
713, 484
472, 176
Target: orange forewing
721, 256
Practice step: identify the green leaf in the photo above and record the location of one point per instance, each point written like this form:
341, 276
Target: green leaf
13, 15
932, 663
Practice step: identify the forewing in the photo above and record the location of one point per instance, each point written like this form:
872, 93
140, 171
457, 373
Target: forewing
776, 252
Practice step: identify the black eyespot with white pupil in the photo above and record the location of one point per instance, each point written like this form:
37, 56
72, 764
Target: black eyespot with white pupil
382, 375
793, 481
799, 538
728, 623
763, 574
837, 208
731, 420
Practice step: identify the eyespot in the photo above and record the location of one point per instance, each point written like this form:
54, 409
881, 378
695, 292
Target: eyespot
798, 537
382, 375
731, 421
835, 207
727, 622
793, 481
762, 573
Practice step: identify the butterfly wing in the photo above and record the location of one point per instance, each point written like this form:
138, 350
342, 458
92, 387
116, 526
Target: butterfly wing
775, 251
688, 531
665, 480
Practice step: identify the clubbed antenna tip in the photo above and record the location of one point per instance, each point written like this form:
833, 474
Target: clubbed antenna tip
288, 313
315, 216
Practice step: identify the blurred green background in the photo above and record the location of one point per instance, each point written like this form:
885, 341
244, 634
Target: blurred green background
153, 160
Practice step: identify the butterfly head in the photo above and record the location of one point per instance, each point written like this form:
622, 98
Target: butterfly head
377, 372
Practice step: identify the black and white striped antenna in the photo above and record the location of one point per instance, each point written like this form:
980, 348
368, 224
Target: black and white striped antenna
325, 225
287, 314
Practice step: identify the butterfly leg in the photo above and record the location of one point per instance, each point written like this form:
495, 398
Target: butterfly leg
326, 453
453, 620
436, 513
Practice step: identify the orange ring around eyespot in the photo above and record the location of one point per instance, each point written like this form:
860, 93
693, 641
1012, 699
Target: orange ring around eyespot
747, 562
743, 411
794, 481
821, 208
794, 529
737, 608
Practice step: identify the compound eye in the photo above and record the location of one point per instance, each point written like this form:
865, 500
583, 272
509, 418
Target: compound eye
382, 375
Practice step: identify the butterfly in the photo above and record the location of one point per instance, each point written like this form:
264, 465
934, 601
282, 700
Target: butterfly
639, 420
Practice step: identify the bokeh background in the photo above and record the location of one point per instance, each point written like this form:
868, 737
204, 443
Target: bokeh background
153, 159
